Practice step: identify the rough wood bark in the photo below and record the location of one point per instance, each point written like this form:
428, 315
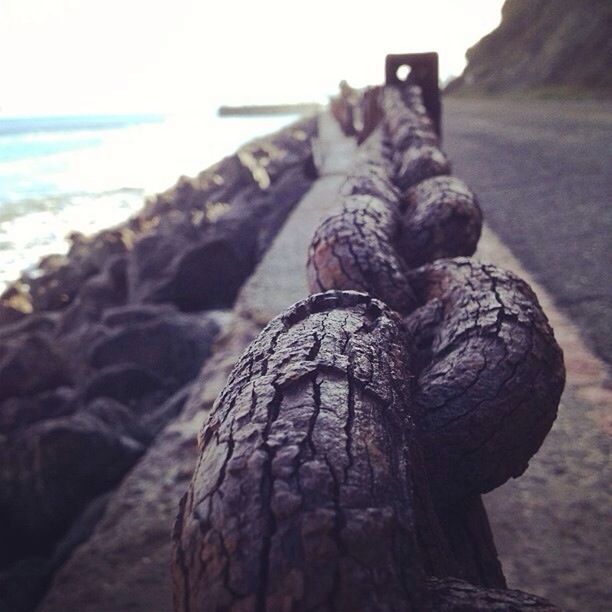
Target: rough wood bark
490, 375
375, 235
358, 112
309, 492
440, 218
416, 152
353, 249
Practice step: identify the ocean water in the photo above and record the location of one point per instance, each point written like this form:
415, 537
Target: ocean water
60, 174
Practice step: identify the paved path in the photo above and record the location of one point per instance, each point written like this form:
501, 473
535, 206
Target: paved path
553, 525
280, 278
542, 170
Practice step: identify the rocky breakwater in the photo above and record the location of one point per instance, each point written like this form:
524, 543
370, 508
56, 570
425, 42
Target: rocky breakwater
98, 348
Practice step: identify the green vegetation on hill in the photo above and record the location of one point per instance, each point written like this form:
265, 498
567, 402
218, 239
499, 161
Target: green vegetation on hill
556, 47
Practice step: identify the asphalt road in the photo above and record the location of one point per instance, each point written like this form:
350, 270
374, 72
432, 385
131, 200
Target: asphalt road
543, 173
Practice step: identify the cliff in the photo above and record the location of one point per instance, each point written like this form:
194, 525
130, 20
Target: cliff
543, 46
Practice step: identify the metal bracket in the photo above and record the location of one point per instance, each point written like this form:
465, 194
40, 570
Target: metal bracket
424, 73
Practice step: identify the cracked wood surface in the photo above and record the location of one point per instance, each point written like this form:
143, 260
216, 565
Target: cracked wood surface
311, 492
490, 374
375, 234
284, 511
416, 155
354, 247
440, 218
309, 483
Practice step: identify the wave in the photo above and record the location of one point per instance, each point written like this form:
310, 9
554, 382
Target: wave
87, 186
68, 123
33, 228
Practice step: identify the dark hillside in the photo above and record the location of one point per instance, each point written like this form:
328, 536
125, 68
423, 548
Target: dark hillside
561, 46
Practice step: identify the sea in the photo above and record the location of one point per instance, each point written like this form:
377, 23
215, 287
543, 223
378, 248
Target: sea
86, 173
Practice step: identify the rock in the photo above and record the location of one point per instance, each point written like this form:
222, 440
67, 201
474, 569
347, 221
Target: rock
53, 468
118, 418
29, 364
15, 303
171, 347
151, 264
43, 323
561, 46
206, 275
124, 565
123, 382
130, 314
193, 248
22, 583
19, 412
218, 183
201, 264
56, 287
100, 292
153, 421
10, 314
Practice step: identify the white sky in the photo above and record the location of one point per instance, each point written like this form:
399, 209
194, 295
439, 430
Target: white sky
96, 56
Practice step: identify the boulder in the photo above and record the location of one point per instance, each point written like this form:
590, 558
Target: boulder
152, 264
20, 412
123, 382
53, 468
172, 347
134, 313
99, 292
29, 364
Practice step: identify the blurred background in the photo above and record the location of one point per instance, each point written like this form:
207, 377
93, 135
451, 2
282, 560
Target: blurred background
104, 101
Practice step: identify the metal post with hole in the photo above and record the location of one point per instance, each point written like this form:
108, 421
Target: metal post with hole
419, 69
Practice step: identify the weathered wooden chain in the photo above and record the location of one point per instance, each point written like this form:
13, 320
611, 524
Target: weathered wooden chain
360, 415
488, 372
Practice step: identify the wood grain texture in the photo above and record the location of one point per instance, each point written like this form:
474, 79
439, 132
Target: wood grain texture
416, 152
342, 465
354, 248
440, 217
309, 485
490, 374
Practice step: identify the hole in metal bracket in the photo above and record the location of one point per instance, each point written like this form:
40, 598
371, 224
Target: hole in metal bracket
403, 72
